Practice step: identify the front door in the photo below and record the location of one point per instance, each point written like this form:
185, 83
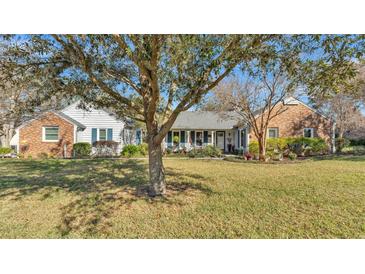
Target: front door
220, 139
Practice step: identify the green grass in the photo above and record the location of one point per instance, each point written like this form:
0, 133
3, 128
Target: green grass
320, 198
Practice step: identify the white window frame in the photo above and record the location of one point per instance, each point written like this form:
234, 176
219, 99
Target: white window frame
273, 128
106, 134
312, 132
44, 134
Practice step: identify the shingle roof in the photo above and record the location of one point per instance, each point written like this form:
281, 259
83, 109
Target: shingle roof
206, 120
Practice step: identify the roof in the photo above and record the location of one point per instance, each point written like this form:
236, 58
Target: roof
205, 120
60, 114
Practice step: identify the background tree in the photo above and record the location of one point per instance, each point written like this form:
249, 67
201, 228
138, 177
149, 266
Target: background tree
23, 94
256, 98
345, 110
152, 78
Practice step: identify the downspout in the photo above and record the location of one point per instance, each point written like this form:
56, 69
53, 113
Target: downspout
334, 137
247, 131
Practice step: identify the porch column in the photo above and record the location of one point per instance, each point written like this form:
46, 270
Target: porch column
247, 133
212, 137
188, 139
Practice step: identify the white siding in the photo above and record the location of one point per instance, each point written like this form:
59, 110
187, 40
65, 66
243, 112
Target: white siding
94, 119
15, 140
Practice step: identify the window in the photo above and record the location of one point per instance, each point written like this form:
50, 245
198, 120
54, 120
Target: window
273, 132
50, 134
308, 132
199, 138
102, 134
176, 137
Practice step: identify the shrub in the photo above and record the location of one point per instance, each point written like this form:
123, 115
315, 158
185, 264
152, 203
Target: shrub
143, 149
358, 142
277, 156
212, 151
292, 156
135, 150
299, 145
82, 149
106, 148
254, 147
208, 151
130, 150
341, 143
5, 150
176, 140
354, 150
42, 155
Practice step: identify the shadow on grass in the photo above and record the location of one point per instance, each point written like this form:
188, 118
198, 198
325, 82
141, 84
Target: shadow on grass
102, 187
341, 157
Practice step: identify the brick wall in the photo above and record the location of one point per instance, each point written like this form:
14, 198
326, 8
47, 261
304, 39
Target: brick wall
295, 118
30, 137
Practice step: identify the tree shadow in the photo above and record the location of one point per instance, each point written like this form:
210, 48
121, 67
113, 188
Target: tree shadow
339, 157
101, 188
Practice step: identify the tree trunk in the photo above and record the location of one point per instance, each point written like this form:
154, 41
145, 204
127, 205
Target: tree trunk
262, 149
9, 131
156, 168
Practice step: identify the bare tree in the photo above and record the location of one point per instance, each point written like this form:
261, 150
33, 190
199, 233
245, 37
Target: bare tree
257, 99
345, 110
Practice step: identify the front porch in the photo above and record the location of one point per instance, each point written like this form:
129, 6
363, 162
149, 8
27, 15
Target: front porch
228, 140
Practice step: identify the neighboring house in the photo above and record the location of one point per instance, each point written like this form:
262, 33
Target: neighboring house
56, 132
202, 128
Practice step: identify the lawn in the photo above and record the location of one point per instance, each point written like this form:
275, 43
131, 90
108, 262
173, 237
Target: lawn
205, 199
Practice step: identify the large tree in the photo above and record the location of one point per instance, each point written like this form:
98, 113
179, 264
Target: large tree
152, 78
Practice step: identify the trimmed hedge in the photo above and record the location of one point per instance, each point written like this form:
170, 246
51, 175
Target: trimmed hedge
82, 149
354, 150
359, 142
135, 150
208, 151
298, 145
5, 150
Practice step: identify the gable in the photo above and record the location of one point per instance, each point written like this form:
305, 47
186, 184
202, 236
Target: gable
92, 117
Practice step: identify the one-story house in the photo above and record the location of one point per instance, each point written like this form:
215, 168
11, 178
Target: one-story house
228, 132
55, 132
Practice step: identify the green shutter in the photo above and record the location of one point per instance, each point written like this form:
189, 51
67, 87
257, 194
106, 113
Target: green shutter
192, 135
205, 140
94, 133
169, 137
110, 134
182, 136
138, 137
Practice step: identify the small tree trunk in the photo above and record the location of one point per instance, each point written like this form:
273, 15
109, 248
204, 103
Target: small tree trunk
262, 149
156, 168
9, 132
